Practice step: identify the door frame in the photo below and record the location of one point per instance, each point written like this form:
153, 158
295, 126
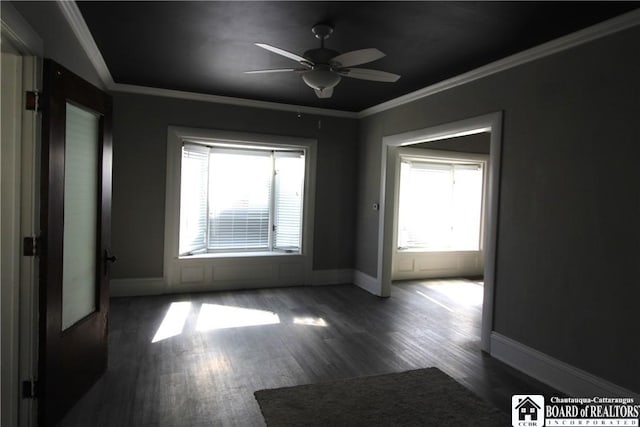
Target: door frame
389, 177
23, 315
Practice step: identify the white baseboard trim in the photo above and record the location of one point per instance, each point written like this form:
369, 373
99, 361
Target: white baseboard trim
366, 282
559, 375
331, 277
137, 287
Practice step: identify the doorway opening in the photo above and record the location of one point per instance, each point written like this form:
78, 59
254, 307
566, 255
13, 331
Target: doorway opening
440, 213
390, 259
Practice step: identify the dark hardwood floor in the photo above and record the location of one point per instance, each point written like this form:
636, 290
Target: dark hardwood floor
212, 351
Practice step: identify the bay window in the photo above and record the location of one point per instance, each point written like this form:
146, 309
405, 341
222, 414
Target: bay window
237, 198
440, 205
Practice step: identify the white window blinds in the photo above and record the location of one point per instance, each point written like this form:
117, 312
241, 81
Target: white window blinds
239, 199
289, 186
440, 206
235, 199
193, 198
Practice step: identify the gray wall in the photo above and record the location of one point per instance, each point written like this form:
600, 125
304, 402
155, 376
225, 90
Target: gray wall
140, 134
60, 43
140, 145
479, 143
569, 214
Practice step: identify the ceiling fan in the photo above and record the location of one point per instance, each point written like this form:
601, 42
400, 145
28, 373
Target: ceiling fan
323, 68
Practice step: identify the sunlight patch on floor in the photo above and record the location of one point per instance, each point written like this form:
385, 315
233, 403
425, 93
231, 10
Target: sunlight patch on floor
466, 293
310, 321
434, 301
173, 322
219, 364
214, 316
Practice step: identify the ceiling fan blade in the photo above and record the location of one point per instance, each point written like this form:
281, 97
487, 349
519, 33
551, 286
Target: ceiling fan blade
357, 57
275, 70
366, 74
284, 53
324, 93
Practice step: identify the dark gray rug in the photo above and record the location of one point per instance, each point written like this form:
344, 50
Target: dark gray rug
424, 397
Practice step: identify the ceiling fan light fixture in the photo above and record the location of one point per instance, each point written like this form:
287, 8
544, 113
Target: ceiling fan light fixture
321, 79
323, 68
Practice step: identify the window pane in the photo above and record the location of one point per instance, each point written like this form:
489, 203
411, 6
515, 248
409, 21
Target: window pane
193, 198
289, 186
425, 205
80, 215
239, 199
467, 207
439, 206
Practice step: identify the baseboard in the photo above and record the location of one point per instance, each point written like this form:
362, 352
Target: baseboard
559, 375
137, 287
366, 282
331, 277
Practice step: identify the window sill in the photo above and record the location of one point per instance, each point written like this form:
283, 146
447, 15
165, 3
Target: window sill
256, 254
423, 250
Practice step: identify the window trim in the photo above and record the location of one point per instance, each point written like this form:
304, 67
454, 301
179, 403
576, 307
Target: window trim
271, 151
176, 136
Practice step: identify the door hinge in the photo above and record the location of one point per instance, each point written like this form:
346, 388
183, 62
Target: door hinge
32, 101
30, 389
31, 246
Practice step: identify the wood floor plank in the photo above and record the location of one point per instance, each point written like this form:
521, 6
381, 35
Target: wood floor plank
206, 373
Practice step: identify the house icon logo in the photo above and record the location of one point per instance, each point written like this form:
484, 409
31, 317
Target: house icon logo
527, 410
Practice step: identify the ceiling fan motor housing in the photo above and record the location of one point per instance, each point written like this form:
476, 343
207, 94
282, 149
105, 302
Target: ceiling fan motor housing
321, 55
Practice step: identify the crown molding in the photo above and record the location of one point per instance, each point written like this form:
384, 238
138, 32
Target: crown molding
76, 21
19, 32
194, 96
577, 38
